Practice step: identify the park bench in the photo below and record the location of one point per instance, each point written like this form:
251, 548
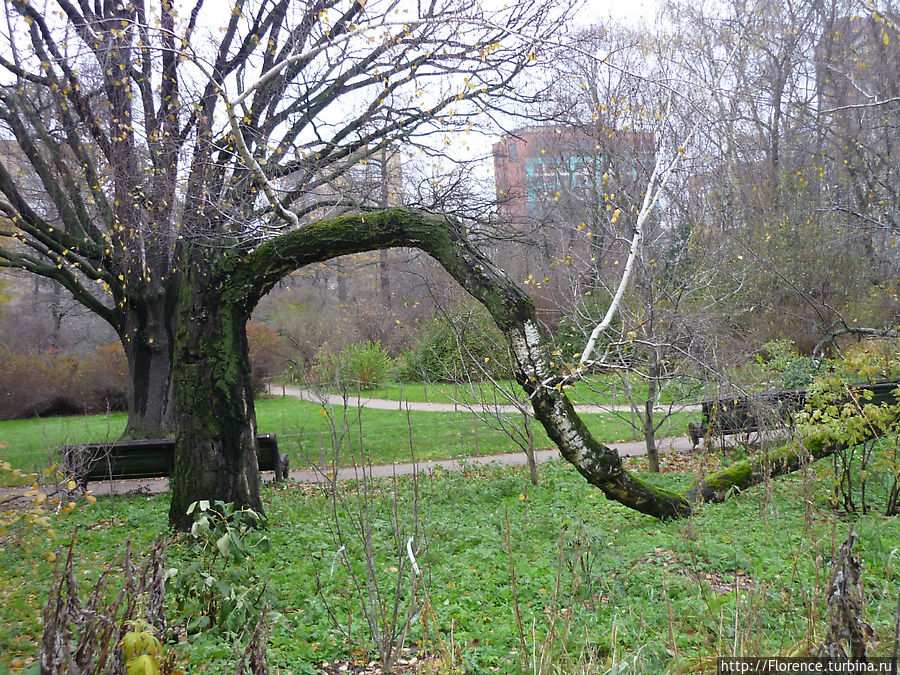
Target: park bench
765, 410
153, 458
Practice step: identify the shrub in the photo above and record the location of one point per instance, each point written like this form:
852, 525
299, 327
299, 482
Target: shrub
22, 384
52, 384
874, 359
864, 431
780, 365
464, 343
220, 587
266, 356
366, 364
101, 379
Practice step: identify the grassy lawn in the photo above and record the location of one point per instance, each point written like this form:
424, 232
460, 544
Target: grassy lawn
512, 572
30, 445
387, 435
303, 427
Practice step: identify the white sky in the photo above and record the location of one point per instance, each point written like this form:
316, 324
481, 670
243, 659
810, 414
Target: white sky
632, 11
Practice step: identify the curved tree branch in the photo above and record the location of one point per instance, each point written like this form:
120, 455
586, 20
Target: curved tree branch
446, 240
245, 280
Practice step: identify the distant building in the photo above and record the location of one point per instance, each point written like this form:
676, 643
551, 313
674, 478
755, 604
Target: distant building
542, 173
558, 192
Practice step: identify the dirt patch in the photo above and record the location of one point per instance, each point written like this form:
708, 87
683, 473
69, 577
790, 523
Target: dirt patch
721, 582
410, 662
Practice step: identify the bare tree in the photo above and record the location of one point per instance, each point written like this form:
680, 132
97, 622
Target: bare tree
798, 178
173, 157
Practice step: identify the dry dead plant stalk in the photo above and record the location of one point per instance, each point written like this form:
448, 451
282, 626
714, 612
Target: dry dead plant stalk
83, 635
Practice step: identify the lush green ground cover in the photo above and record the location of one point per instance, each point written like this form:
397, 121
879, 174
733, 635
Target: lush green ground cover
598, 588
303, 427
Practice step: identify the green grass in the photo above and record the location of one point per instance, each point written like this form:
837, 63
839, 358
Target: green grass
303, 427
593, 579
31, 444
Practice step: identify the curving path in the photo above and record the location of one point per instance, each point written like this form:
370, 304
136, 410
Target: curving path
320, 475
385, 404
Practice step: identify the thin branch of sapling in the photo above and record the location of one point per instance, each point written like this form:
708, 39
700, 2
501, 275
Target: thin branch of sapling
364, 518
383, 613
896, 632
336, 500
514, 585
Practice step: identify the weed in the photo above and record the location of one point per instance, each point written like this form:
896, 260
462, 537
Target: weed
107, 630
221, 589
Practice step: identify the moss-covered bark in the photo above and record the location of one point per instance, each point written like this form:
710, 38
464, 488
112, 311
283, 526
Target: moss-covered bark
215, 439
786, 459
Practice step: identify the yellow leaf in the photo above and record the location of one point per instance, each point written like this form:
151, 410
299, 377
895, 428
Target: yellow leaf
143, 665
71, 485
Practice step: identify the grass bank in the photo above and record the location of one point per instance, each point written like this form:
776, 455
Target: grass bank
513, 573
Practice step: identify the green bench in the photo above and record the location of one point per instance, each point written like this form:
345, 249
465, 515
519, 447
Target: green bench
756, 412
153, 458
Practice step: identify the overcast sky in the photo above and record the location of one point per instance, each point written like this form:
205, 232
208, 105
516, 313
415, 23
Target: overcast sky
629, 10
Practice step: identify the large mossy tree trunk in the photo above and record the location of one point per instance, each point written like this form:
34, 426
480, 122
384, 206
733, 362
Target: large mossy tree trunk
215, 438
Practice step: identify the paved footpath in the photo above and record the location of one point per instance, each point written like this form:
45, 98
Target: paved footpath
159, 485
